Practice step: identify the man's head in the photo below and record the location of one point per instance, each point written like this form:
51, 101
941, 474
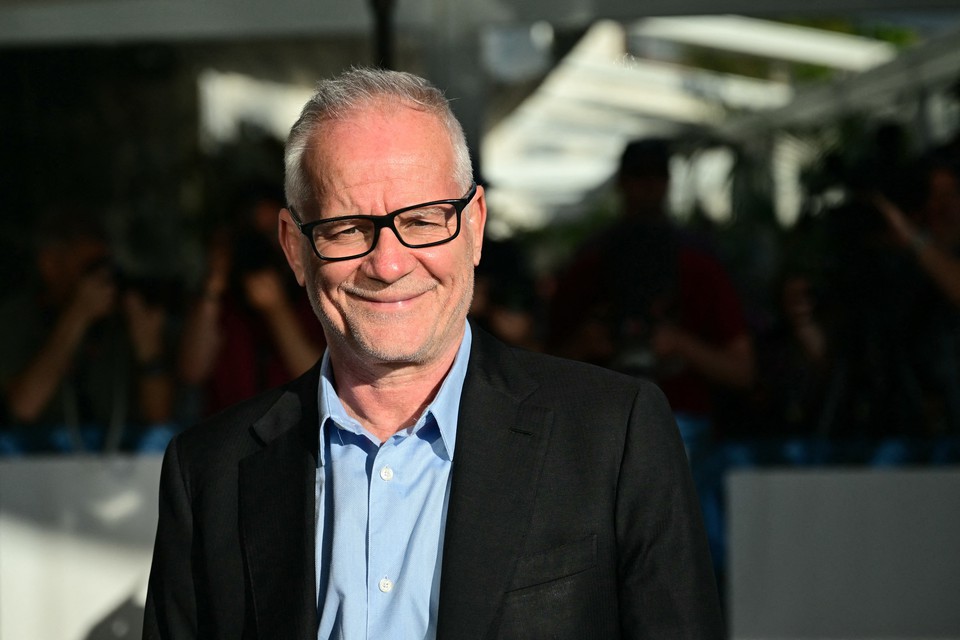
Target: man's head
644, 177
342, 97
371, 142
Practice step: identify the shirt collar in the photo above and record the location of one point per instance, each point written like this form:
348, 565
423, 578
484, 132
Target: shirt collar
444, 409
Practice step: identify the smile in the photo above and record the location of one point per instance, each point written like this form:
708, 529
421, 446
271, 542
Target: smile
392, 300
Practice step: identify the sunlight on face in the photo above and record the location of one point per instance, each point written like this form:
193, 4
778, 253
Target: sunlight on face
395, 305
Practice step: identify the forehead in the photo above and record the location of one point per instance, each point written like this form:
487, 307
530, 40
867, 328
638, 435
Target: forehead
379, 142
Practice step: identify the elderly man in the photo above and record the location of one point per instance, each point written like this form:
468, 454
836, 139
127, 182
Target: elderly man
423, 480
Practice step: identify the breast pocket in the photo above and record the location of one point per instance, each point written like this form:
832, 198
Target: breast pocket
552, 594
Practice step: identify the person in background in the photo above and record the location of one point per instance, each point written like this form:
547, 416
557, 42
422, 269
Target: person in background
647, 299
931, 234
422, 480
503, 298
884, 339
794, 361
81, 347
248, 329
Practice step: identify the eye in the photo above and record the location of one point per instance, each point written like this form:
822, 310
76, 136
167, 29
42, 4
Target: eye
425, 218
421, 222
342, 230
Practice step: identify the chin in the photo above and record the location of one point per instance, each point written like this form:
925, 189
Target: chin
390, 352
392, 343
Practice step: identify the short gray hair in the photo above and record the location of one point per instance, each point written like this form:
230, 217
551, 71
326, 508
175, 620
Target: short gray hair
339, 97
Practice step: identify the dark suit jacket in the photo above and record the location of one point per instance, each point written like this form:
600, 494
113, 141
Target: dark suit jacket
571, 515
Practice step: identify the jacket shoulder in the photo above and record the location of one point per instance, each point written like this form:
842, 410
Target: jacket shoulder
233, 420
573, 379
237, 431
578, 391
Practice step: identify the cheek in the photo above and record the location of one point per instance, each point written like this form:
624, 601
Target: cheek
454, 269
316, 284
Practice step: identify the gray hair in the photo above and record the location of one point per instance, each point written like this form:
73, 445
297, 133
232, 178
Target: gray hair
339, 97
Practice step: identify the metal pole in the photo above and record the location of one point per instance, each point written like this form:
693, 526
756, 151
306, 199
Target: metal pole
383, 32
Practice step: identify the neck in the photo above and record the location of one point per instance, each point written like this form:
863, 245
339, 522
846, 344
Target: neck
388, 397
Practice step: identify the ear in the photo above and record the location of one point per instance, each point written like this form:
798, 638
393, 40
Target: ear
293, 244
476, 220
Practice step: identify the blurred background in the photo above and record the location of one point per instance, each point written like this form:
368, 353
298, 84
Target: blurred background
755, 205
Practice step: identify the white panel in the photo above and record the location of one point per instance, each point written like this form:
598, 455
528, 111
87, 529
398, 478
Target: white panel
844, 554
76, 537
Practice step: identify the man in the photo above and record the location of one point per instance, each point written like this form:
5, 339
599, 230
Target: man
79, 354
647, 299
423, 480
250, 329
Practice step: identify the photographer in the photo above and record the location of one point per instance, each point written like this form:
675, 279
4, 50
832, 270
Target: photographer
77, 349
645, 299
884, 338
247, 330
935, 238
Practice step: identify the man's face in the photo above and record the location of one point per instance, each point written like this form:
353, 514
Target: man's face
395, 305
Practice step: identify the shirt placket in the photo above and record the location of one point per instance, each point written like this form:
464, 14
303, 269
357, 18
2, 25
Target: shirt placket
383, 565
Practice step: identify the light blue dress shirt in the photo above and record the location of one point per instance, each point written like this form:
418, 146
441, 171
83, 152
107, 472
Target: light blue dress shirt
381, 515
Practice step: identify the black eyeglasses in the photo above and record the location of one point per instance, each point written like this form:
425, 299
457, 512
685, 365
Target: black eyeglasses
417, 226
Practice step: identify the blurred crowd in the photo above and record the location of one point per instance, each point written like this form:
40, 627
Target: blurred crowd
94, 359
858, 335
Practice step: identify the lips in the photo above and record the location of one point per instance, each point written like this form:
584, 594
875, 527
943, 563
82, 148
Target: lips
386, 297
393, 299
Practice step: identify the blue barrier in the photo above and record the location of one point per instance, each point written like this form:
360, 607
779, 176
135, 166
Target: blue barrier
63, 439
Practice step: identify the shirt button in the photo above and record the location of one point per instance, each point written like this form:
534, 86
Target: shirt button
386, 474
386, 585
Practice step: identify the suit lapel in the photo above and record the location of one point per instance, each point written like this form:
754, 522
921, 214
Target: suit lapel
501, 442
277, 515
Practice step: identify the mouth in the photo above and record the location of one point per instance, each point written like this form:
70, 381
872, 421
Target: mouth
386, 300
391, 302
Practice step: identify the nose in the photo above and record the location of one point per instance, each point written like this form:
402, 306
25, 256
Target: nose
390, 260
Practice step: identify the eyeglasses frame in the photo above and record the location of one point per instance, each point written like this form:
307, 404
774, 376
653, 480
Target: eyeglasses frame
384, 221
